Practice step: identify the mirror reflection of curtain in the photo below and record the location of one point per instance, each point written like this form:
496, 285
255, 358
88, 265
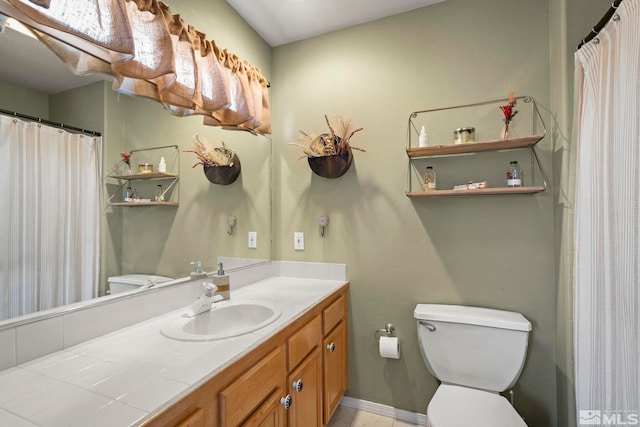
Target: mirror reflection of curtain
50, 217
155, 54
607, 222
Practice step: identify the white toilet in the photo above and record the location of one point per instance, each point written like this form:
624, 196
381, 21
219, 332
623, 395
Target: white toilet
475, 353
129, 282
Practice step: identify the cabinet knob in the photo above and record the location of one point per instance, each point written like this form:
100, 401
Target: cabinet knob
331, 347
297, 385
286, 401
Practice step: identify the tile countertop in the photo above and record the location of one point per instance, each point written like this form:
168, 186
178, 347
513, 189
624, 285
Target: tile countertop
125, 377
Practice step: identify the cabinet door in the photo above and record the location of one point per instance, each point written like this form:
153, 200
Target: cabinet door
196, 419
270, 414
247, 394
196, 410
335, 377
305, 387
300, 344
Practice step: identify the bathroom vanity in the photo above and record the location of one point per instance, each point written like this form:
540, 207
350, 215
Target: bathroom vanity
290, 372
296, 378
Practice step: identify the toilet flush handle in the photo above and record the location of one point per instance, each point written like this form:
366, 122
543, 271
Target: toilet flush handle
429, 326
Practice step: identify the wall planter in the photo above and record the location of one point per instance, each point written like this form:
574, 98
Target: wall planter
330, 155
331, 166
224, 175
221, 165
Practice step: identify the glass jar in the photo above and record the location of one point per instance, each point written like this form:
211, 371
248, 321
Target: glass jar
145, 168
159, 193
464, 135
430, 179
514, 175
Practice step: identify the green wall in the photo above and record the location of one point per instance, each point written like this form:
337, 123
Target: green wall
164, 240
25, 101
510, 252
82, 107
486, 251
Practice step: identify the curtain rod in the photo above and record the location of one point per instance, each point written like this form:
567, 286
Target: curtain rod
601, 23
48, 122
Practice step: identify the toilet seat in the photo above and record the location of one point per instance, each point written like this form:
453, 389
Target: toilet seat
456, 406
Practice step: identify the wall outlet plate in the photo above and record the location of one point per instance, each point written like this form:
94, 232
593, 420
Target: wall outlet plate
253, 239
298, 241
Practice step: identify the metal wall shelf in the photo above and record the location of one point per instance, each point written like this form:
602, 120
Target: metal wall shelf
138, 204
477, 192
117, 173
475, 147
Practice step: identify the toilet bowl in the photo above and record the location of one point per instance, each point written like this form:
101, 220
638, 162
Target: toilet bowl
457, 406
476, 353
129, 282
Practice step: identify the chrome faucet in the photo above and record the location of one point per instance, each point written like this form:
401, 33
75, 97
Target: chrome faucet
204, 301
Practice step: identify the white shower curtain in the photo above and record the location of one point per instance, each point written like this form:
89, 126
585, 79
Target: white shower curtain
50, 217
607, 224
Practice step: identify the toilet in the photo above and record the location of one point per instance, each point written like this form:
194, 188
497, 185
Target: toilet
129, 282
476, 353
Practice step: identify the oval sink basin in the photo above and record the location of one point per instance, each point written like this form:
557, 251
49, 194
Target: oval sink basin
225, 320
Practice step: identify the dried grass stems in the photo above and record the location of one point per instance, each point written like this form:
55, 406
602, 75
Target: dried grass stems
328, 144
208, 155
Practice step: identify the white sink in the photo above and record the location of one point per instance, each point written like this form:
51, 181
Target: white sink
225, 320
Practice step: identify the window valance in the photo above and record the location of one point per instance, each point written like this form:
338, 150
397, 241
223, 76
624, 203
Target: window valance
153, 53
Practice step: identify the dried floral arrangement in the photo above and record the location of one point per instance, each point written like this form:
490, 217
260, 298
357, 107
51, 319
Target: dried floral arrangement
509, 113
208, 155
337, 141
126, 157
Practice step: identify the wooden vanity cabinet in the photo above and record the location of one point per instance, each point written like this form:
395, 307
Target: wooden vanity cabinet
251, 398
270, 414
196, 419
305, 375
335, 356
305, 384
305, 363
194, 411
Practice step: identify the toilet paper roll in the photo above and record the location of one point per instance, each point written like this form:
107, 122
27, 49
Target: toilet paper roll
389, 347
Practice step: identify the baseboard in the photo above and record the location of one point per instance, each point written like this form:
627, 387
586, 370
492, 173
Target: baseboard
385, 410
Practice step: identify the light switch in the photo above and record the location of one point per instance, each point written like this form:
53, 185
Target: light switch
253, 239
298, 241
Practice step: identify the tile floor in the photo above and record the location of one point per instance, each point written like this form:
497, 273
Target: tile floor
349, 417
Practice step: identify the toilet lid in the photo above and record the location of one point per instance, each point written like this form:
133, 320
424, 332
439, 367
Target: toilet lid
456, 406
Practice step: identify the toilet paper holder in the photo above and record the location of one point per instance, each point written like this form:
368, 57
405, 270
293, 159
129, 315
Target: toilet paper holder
389, 330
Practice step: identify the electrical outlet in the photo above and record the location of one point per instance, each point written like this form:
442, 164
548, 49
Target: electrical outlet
253, 239
298, 241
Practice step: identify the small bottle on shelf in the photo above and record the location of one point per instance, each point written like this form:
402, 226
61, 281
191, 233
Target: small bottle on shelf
423, 139
430, 179
514, 175
162, 166
128, 194
159, 193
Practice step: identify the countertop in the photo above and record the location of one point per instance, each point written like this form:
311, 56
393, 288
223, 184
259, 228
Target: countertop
125, 377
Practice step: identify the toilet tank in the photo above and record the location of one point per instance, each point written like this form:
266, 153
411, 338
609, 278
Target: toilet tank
129, 282
472, 346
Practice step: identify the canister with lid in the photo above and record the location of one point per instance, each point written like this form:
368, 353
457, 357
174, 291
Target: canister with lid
464, 135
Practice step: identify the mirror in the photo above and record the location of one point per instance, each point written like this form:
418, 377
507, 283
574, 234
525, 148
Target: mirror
161, 240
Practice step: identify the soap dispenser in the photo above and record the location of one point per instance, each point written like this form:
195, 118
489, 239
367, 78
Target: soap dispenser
221, 280
198, 273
